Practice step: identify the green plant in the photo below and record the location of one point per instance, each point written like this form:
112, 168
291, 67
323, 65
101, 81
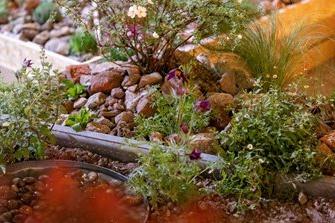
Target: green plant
28, 110
3, 11
117, 54
73, 90
271, 135
45, 11
78, 121
270, 56
83, 42
172, 112
165, 175
153, 30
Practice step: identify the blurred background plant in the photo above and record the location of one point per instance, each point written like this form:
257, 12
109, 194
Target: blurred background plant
4, 11
74, 90
30, 108
153, 30
47, 10
83, 42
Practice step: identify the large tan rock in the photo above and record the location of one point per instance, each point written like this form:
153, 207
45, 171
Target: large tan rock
150, 79
106, 81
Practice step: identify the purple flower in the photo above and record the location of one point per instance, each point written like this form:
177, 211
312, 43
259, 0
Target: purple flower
202, 106
181, 91
176, 73
27, 63
195, 155
184, 128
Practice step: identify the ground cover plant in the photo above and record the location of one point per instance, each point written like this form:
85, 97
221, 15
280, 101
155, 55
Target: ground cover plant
152, 30
28, 110
151, 180
3, 11
272, 134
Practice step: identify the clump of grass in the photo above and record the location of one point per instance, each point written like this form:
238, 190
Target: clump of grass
45, 11
270, 56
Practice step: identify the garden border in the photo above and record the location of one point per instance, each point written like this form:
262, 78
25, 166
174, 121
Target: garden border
128, 150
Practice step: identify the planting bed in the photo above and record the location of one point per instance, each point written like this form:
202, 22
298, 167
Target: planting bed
202, 135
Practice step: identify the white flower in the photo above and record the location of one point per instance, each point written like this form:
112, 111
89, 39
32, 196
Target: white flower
141, 12
239, 1
239, 36
261, 160
250, 146
150, 2
155, 35
274, 76
306, 86
132, 11
31, 76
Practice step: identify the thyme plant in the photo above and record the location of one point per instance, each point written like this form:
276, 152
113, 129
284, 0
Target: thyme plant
271, 135
28, 110
152, 30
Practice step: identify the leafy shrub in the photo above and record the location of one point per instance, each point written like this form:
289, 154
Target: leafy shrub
152, 29
73, 90
83, 42
165, 175
78, 121
45, 11
28, 109
270, 135
271, 57
171, 112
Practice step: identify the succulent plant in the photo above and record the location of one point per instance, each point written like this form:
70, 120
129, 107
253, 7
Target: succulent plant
45, 11
3, 11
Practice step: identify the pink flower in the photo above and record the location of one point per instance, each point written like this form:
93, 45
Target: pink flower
133, 30
202, 106
195, 155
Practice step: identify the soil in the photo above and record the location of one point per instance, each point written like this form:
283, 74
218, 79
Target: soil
75, 154
216, 209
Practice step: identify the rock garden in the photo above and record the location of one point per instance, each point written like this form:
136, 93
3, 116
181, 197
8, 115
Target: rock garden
195, 111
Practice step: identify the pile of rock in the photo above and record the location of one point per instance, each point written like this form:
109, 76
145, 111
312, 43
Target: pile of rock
53, 36
116, 94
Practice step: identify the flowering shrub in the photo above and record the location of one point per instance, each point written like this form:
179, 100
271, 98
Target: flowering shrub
270, 135
179, 112
151, 30
28, 110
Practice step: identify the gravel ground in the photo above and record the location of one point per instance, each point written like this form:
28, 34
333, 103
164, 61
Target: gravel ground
58, 153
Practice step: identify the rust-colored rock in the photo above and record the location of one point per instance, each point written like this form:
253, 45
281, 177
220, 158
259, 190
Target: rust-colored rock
220, 103
150, 79
76, 71
205, 142
144, 107
106, 81
30, 5
329, 140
